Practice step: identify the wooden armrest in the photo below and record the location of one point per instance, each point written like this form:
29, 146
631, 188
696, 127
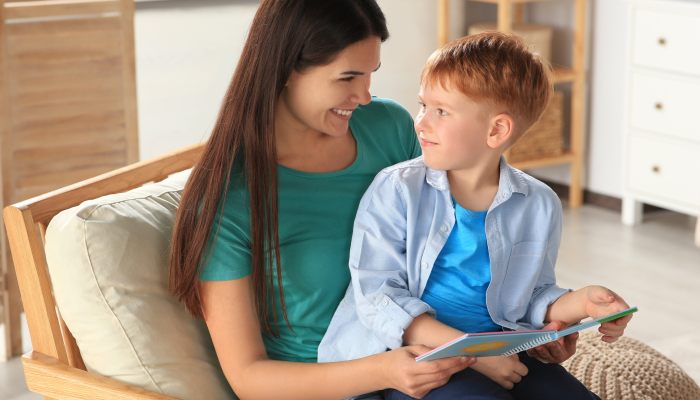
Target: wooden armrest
132, 176
51, 377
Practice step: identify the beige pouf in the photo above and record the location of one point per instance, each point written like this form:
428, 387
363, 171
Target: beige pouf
628, 370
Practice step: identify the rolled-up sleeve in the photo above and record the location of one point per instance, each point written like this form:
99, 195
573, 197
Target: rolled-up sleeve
385, 303
546, 290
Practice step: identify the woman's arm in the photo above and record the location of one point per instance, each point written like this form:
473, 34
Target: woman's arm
233, 325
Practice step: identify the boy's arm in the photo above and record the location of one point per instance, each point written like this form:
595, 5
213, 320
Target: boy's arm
378, 268
552, 303
569, 308
429, 332
546, 290
595, 302
426, 330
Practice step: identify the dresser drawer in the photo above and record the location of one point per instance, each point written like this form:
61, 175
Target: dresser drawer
665, 105
667, 41
664, 170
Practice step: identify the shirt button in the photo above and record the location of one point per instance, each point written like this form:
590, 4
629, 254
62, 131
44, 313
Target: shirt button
443, 228
424, 265
385, 302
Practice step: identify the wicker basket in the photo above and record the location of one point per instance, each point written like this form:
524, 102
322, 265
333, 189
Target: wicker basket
545, 138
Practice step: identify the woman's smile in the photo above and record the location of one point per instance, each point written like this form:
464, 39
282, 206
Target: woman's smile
342, 114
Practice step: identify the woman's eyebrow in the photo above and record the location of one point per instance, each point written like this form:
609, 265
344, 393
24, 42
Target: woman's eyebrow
358, 72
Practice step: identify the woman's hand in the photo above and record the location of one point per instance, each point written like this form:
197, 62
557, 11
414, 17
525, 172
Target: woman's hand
506, 371
416, 379
558, 351
599, 302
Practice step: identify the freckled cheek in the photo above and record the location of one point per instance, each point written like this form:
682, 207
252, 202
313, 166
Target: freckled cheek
450, 137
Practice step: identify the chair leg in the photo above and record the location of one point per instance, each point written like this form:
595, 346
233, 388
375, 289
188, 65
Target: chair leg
12, 307
4, 300
14, 315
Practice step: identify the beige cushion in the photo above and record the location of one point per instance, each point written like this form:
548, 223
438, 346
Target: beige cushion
108, 263
628, 370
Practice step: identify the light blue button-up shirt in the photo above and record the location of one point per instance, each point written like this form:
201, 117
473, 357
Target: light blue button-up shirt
402, 224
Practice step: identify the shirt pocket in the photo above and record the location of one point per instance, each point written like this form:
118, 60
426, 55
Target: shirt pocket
523, 270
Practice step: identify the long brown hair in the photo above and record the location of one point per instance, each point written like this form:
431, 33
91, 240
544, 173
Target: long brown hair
285, 35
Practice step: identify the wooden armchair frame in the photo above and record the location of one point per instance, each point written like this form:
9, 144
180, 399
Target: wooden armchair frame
55, 368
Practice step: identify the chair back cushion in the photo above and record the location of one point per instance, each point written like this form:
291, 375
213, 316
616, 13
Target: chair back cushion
108, 265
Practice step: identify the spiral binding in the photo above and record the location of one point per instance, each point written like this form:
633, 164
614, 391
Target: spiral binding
529, 345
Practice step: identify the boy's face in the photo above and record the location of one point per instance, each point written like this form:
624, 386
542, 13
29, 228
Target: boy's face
452, 129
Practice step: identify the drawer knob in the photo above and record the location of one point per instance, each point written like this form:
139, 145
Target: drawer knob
659, 106
656, 168
662, 41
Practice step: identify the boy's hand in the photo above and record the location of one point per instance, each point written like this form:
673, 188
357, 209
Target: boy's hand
506, 371
558, 351
599, 302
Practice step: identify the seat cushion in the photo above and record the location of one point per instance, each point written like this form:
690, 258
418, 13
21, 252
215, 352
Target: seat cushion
628, 370
108, 265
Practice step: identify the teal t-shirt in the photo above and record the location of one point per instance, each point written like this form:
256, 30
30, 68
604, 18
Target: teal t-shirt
316, 215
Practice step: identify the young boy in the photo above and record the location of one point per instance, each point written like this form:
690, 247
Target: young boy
458, 241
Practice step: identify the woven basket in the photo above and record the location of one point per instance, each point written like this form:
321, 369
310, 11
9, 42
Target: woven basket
628, 370
545, 138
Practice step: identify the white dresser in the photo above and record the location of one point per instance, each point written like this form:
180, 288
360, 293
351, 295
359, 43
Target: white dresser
662, 138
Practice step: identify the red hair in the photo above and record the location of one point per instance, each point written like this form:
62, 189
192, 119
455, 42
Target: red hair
498, 70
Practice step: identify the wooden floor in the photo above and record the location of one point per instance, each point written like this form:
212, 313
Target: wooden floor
653, 266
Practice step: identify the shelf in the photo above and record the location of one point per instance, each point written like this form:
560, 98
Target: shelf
565, 158
563, 74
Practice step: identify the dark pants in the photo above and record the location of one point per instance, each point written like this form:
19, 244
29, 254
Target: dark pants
542, 382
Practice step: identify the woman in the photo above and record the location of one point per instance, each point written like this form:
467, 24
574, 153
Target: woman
261, 243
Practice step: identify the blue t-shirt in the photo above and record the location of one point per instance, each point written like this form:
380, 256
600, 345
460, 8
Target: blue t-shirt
457, 285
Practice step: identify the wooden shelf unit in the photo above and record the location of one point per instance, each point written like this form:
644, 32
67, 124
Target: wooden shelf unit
512, 11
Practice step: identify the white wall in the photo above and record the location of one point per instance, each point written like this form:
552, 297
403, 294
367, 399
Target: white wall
186, 55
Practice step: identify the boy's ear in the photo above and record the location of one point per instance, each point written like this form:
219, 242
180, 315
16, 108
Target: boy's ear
501, 130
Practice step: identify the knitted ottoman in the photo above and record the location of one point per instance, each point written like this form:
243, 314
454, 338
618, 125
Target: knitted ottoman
628, 370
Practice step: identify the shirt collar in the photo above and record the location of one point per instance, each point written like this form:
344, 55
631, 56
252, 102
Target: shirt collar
510, 181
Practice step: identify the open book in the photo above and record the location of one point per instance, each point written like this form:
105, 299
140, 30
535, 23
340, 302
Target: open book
510, 342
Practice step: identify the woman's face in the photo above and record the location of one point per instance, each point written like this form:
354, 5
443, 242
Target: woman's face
323, 98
